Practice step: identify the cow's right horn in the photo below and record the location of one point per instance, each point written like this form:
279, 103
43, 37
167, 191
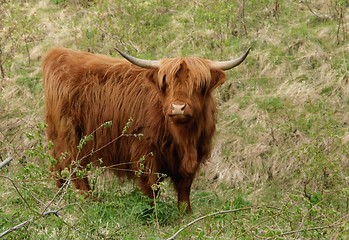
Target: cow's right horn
226, 65
140, 62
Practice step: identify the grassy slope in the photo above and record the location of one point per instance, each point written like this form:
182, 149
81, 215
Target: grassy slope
282, 140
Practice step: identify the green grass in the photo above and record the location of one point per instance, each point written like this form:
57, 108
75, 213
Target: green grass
280, 157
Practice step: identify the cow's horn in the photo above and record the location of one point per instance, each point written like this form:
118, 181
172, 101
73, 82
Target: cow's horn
226, 65
140, 62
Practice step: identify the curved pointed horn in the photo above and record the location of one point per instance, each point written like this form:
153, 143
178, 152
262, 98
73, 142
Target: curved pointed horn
140, 62
226, 65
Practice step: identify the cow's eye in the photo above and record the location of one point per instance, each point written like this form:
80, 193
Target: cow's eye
203, 89
163, 86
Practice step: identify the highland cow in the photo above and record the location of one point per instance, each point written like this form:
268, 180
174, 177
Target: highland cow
170, 102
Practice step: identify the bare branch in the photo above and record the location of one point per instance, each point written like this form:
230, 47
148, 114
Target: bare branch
54, 212
309, 229
19, 193
335, 224
206, 216
312, 11
3, 234
5, 162
25, 223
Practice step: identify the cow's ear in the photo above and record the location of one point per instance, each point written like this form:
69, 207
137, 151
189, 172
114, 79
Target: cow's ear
218, 77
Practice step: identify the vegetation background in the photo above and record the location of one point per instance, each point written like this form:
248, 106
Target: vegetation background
280, 160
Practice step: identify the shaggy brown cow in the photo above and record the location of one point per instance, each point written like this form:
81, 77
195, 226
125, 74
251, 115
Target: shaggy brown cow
169, 100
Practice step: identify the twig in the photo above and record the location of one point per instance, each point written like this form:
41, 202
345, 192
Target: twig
25, 223
63, 188
44, 213
19, 193
105, 145
337, 223
59, 195
311, 10
54, 212
3, 234
206, 216
5, 162
308, 229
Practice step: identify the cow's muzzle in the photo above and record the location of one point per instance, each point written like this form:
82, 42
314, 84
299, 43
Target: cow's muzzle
179, 112
177, 109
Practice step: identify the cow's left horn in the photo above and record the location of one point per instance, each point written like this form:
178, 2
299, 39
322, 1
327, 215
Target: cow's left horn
226, 65
140, 62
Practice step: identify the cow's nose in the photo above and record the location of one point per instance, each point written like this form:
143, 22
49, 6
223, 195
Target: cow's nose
178, 108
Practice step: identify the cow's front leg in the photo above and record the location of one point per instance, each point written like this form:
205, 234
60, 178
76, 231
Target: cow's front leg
182, 187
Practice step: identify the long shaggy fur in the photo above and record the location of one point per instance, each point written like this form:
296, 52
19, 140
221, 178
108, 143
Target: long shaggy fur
83, 91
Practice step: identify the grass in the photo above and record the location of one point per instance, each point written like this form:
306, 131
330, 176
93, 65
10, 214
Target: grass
281, 149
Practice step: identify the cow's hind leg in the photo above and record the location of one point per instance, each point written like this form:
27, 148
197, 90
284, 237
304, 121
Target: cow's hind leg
147, 183
82, 184
144, 164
